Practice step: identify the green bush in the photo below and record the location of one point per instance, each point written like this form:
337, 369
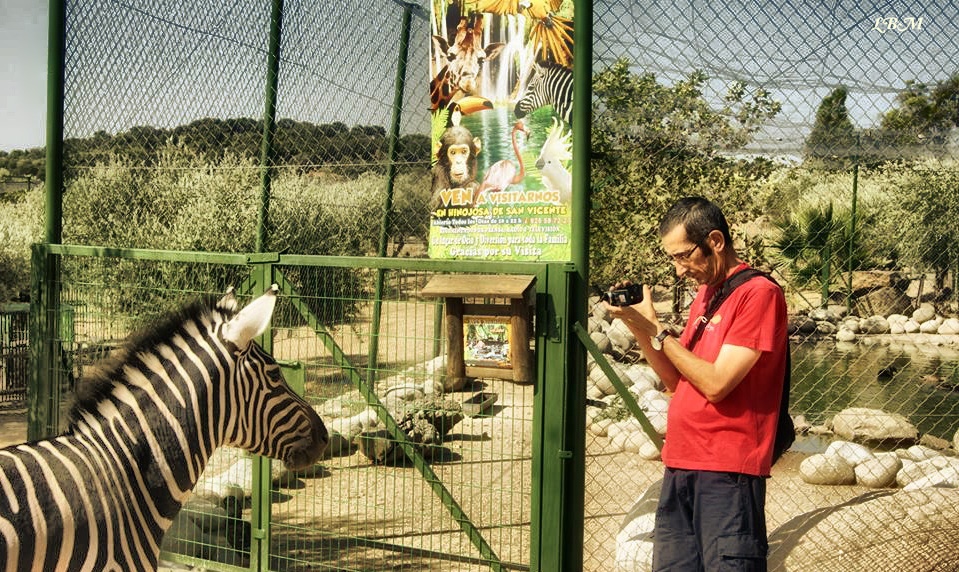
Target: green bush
812, 219
187, 202
21, 224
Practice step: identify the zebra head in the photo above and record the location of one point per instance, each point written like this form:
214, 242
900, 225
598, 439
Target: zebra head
547, 84
268, 418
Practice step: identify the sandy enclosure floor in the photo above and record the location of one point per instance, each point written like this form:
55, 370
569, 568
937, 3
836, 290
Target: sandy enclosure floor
353, 515
358, 516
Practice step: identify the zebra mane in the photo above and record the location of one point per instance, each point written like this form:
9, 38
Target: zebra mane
94, 386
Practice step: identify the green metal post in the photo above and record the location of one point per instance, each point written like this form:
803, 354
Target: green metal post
56, 56
399, 87
43, 395
260, 512
852, 233
269, 125
260, 500
559, 464
38, 387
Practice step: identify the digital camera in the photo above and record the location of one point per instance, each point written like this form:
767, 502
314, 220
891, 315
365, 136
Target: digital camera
626, 296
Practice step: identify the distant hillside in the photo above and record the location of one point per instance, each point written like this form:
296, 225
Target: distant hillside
305, 145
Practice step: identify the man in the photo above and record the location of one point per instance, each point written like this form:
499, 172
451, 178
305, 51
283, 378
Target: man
727, 386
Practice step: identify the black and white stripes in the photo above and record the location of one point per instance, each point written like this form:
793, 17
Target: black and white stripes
100, 496
548, 84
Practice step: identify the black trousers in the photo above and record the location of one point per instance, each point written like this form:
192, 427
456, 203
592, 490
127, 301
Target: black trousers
710, 522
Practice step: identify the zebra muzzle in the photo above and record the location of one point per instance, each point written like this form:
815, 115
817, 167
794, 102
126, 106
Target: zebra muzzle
309, 448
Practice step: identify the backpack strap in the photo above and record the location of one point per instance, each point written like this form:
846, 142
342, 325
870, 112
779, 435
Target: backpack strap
785, 430
720, 295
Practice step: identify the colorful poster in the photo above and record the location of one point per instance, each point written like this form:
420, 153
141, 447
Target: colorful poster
501, 95
486, 341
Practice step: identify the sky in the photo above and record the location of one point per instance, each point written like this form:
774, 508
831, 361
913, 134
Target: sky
199, 59
23, 73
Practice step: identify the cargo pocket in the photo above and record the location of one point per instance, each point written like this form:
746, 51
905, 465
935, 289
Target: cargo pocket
741, 553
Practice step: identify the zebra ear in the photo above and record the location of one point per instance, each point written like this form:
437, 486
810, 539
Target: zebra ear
228, 302
252, 320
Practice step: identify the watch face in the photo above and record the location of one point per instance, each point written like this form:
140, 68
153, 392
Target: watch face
657, 342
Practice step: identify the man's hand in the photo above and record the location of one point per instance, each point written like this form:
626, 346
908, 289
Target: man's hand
641, 316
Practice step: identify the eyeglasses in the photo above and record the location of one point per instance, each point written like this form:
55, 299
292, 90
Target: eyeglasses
682, 257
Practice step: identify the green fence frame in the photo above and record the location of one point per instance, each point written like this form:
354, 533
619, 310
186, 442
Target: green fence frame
558, 437
557, 456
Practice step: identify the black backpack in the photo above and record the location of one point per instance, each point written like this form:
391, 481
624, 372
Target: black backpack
785, 430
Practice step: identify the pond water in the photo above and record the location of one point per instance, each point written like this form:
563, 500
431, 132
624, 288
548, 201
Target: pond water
919, 381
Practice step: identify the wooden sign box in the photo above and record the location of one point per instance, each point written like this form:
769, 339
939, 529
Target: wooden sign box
518, 294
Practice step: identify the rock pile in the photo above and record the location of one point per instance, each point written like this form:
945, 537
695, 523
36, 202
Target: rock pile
834, 321
844, 462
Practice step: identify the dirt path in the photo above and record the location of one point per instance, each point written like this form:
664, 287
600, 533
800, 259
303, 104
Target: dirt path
13, 425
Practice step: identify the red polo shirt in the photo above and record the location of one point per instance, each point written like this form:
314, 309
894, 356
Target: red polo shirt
736, 434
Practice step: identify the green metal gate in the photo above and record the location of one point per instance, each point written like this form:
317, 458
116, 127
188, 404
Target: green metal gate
487, 497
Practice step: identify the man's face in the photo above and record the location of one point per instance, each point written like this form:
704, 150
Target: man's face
692, 261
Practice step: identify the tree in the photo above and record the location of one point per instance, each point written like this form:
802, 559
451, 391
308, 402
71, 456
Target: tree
929, 208
833, 142
654, 143
923, 120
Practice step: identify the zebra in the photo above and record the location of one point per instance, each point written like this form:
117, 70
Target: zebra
549, 84
101, 495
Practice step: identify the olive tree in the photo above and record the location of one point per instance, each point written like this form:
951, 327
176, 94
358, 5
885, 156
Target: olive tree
654, 143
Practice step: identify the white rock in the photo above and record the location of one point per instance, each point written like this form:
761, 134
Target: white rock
947, 478
851, 323
910, 326
861, 423
924, 313
625, 426
929, 327
874, 325
598, 376
640, 443
620, 326
601, 340
826, 328
600, 427
634, 544
920, 453
845, 335
593, 391
643, 376
821, 469
897, 318
852, 453
879, 471
922, 469
600, 312
949, 327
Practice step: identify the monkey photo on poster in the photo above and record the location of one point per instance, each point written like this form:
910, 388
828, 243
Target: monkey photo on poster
455, 166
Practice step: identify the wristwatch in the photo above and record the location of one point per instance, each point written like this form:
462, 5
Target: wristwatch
657, 341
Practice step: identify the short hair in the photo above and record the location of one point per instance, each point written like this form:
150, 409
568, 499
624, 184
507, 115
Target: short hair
699, 217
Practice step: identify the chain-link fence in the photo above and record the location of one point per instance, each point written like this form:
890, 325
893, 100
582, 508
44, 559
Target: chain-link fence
187, 135
827, 135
